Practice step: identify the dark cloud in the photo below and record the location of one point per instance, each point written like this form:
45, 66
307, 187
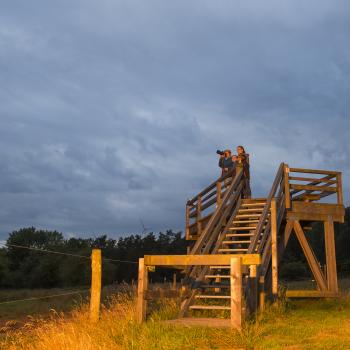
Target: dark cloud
112, 111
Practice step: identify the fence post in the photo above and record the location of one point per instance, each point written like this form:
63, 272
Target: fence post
236, 292
141, 290
95, 297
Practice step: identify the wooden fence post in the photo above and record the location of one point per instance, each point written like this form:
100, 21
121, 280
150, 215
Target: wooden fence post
96, 281
286, 186
261, 293
141, 289
253, 290
236, 292
174, 281
274, 263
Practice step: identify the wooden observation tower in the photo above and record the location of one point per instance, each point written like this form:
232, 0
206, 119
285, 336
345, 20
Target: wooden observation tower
236, 244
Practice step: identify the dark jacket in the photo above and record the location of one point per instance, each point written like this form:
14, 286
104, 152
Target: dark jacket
243, 162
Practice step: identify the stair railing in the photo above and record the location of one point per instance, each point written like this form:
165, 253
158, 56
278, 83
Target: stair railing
201, 207
218, 219
262, 230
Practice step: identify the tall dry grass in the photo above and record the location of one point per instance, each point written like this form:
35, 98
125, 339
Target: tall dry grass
317, 324
117, 329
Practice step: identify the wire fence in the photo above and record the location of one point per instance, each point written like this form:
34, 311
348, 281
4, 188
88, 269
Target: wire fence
56, 295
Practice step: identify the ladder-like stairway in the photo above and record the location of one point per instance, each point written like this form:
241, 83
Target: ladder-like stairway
214, 294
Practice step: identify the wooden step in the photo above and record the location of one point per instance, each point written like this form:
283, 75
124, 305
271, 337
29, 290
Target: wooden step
209, 307
245, 221
248, 216
220, 267
240, 234
212, 297
250, 210
242, 228
235, 242
233, 250
217, 276
258, 204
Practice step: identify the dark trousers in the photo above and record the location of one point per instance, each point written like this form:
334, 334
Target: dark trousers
247, 193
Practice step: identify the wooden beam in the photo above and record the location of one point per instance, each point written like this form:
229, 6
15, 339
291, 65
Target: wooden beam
316, 211
218, 191
310, 257
313, 171
286, 186
261, 293
141, 291
314, 180
340, 189
274, 260
332, 281
253, 289
198, 218
187, 221
200, 260
313, 188
236, 292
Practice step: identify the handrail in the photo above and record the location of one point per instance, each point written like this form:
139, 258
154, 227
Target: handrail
201, 207
218, 216
277, 182
210, 187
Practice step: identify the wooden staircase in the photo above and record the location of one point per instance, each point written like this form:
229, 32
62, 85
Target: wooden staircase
250, 235
214, 292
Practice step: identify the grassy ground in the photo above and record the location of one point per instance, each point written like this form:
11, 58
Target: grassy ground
303, 324
42, 305
289, 324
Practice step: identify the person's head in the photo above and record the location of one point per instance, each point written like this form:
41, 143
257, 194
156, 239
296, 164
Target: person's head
227, 153
240, 150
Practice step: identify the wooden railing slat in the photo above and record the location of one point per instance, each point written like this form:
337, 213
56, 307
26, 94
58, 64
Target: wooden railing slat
297, 178
314, 171
313, 188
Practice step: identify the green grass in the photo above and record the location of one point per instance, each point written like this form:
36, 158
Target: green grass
288, 324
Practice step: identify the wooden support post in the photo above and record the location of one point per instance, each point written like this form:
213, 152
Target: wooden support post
174, 281
253, 289
199, 216
187, 221
236, 292
310, 257
217, 281
96, 281
141, 290
261, 293
218, 193
331, 264
339, 189
274, 260
286, 186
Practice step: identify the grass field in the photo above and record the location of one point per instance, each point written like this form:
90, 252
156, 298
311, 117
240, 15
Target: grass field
301, 324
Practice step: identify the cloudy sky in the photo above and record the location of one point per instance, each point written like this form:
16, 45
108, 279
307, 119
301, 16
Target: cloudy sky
111, 111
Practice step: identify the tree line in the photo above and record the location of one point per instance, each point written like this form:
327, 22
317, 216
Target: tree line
24, 268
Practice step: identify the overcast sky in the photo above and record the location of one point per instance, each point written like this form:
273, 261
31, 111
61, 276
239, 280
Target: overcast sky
111, 111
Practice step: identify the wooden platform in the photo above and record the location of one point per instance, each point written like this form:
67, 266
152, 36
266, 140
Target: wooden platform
200, 322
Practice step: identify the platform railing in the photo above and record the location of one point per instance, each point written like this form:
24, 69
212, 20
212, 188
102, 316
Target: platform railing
311, 185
